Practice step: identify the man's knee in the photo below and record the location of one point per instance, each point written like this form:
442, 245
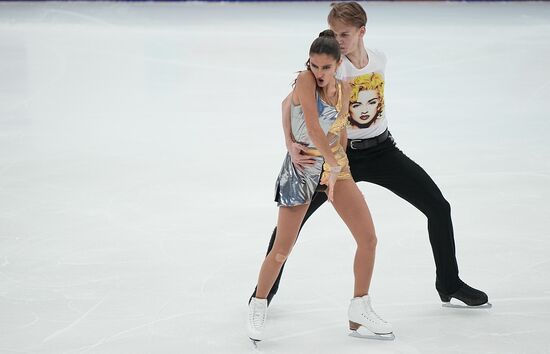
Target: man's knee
438, 208
443, 206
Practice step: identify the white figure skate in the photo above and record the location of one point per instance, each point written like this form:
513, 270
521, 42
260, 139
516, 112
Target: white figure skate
257, 314
365, 323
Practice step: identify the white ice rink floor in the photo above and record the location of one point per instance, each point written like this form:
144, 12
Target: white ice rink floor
139, 145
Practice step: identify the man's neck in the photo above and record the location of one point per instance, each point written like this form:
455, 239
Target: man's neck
359, 57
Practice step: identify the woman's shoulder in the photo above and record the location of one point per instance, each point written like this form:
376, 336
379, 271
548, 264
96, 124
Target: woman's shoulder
305, 76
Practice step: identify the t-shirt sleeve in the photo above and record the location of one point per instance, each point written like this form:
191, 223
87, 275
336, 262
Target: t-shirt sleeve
341, 72
381, 58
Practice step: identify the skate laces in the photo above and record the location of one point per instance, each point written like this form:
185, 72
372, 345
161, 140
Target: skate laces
370, 310
257, 315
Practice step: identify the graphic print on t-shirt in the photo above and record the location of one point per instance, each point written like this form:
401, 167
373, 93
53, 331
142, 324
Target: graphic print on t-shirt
366, 105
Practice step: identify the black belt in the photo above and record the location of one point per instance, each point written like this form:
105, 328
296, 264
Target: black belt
362, 144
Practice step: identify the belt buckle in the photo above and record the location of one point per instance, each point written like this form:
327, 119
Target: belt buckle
351, 144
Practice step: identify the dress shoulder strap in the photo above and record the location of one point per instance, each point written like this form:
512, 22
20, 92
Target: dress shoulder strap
339, 102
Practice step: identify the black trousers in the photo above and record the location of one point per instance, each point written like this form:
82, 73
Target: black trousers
387, 166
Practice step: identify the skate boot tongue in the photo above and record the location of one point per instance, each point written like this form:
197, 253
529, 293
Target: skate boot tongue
259, 303
259, 311
366, 299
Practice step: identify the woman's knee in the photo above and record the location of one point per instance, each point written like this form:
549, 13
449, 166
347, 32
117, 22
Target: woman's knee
368, 241
279, 254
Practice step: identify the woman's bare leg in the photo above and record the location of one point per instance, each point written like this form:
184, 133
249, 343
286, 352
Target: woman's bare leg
288, 225
352, 208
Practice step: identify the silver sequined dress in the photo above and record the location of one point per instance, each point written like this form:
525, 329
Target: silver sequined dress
294, 187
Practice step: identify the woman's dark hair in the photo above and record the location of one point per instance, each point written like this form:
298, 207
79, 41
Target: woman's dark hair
325, 44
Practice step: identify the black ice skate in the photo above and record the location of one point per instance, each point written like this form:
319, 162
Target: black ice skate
470, 297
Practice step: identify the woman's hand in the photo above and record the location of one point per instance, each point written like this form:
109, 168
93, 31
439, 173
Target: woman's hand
331, 181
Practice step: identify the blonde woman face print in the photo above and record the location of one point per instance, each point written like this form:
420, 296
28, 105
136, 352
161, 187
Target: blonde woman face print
367, 102
365, 109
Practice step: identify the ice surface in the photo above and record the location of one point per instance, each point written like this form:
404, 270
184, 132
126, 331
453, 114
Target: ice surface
139, 145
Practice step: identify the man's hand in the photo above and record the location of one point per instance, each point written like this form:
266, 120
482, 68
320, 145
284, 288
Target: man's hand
299, 160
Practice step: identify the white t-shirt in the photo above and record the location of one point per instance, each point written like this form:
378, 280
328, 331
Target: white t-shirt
367, 117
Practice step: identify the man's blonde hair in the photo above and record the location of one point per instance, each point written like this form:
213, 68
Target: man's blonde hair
349, 12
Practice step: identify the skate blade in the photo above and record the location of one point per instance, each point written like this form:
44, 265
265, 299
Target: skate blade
366, 334
255, 342
462, 305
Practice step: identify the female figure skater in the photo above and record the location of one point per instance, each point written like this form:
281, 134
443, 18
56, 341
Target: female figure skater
319, 111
